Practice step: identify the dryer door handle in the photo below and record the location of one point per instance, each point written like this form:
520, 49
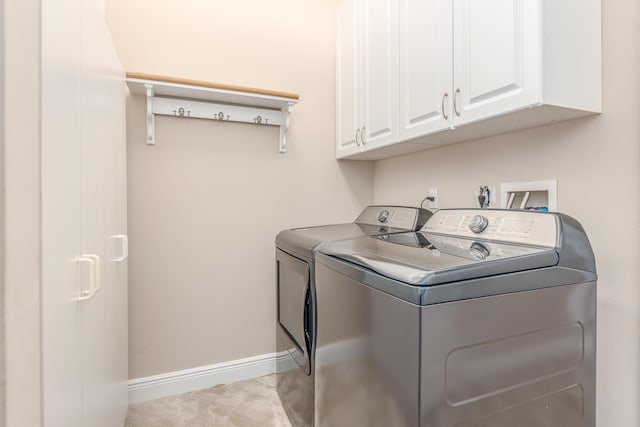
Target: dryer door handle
308, 320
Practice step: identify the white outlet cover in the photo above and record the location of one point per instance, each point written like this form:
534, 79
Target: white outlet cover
433, 192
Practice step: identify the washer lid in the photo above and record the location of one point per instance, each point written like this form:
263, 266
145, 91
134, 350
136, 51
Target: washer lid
373, 220
424, 259
305, 240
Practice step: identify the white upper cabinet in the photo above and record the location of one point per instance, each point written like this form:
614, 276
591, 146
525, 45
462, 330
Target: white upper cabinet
366, 78
496, 60
469, 69
380, 73
426, 68
347, 80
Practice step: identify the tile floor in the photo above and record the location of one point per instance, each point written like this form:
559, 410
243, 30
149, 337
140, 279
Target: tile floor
251, 403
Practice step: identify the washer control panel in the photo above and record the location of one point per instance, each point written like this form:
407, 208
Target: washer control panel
531, 228
478, 223
400, 217
383, 216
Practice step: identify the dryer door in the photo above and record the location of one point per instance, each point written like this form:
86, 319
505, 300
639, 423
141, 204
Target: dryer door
294, 305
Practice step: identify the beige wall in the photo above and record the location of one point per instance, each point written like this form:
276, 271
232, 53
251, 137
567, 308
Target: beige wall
201, 285
22, 211
206, 202
595, 161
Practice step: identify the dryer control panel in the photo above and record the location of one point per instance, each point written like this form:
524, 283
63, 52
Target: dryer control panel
530, 228
402, 217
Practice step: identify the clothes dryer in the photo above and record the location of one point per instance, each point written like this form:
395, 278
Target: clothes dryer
296, 316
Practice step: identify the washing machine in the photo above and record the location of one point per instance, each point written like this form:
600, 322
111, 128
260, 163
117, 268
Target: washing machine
483, 318
296, 317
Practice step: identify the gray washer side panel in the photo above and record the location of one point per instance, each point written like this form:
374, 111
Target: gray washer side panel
575, 248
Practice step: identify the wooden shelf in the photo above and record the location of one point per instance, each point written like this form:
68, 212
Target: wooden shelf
163, 80
188, 98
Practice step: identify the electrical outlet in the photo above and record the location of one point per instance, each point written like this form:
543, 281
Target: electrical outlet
432, 204
491, 203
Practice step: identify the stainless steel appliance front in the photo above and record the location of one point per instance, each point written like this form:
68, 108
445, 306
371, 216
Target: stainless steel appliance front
418, 330
296, 316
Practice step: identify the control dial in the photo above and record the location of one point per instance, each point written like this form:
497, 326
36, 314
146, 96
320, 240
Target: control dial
383, 215
479, 251
478, 223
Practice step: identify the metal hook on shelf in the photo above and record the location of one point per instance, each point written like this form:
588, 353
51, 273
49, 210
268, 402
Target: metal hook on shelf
221, 116
181, 112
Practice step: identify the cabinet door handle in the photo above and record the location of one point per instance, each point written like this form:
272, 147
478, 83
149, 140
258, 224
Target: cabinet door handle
357, 132
125, 247
363, 135
455, 102
93, 262
444, 112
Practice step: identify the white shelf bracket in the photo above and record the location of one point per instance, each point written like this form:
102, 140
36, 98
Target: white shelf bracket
284, 127
150, 117
203, 100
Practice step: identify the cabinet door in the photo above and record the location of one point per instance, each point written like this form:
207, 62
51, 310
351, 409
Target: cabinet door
82, 112
122, 290
62, 276
347, 79
497, 66
379, 73
425, 66
96, 340
102, 97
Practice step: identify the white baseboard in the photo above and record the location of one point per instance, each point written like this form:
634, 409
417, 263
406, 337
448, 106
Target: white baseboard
178, 382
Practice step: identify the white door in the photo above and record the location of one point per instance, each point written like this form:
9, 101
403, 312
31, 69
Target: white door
94, 328
105, 110
121, 254
62, 276
119, 243
425, 66
496, 57
98, 322
348, 90
83, 94
380, 75
103, 138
